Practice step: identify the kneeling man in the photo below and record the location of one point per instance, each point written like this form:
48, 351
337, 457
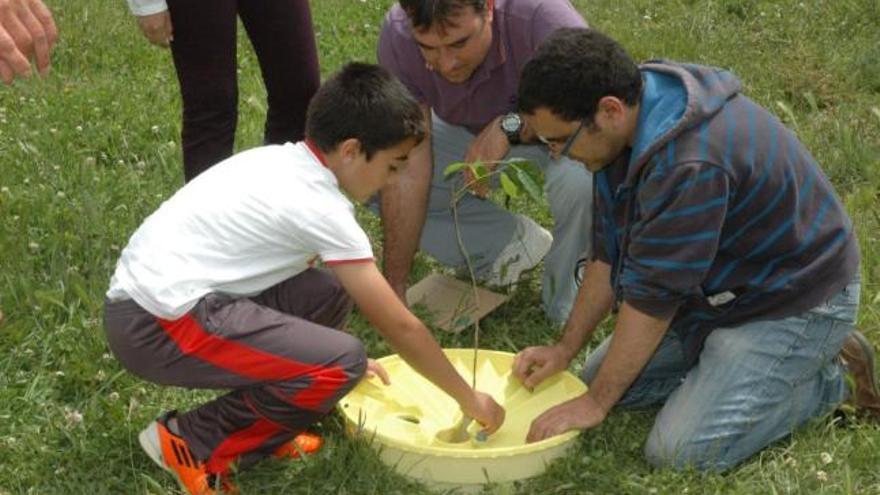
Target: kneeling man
720, 244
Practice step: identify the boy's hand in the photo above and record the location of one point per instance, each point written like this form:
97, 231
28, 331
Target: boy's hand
376, 369
486, 411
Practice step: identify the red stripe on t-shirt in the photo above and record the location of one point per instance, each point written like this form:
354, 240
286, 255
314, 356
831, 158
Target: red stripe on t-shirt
193, 340
345, 262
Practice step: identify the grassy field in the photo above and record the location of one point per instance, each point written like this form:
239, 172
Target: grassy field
86, 154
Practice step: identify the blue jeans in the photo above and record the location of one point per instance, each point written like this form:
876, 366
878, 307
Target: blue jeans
752, 385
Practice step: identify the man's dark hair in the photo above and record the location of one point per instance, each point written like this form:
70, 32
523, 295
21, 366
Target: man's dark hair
573, 69
424, 13
365, 102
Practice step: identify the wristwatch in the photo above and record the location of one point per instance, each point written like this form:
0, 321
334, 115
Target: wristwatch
511, 125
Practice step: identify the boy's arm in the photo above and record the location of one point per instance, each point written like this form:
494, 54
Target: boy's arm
412, 340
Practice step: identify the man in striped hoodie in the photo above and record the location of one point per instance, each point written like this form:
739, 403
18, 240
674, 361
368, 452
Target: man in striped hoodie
720, 244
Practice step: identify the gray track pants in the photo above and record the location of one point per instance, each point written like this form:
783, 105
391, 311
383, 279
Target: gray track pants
486, 228
278, 352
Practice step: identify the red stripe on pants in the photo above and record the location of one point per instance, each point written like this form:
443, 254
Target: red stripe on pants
194, 340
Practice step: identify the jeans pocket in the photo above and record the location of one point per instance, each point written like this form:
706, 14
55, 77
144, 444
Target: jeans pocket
843, 306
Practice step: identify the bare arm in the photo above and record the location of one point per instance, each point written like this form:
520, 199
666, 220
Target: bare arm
404, 203
593, 303
412, 340
636, 337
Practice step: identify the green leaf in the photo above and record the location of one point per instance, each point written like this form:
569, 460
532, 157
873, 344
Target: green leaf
480, 170
508, 185
528, 184
453, 168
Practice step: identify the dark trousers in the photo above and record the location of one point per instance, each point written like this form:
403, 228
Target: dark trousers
278, 352
204, 52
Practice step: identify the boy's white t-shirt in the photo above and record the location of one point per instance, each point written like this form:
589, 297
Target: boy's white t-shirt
244, 225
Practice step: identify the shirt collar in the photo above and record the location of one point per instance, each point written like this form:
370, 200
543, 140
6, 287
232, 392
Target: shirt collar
316, 151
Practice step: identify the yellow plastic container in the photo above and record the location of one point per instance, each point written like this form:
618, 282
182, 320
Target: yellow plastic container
405, 418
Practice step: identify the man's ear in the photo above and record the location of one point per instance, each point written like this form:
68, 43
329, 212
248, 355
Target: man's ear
610, 110
350, 149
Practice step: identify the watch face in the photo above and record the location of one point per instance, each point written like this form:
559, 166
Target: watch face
511, 123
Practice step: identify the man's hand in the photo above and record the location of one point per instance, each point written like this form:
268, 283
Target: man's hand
486, 411
157, 28
27, 30
375, 369
580, 413
490, 145
533, 365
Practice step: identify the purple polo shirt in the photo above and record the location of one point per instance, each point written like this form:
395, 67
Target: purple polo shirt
518, 28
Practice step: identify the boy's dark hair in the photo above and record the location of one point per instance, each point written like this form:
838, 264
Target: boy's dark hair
424, 13
365, 102
573, 69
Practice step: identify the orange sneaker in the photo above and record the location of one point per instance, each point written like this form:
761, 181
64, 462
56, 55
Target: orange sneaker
172, 454
305, 442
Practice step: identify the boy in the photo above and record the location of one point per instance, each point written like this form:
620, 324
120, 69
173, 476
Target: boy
216, 289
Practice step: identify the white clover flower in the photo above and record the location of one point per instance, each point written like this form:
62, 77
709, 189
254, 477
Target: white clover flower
60, 194
107, 356
822, 476
826, 458
155, 128
90, 160
4, 190
59, 373
33, 246
79, 128
72, 416
114, 396
100, 375
120, 162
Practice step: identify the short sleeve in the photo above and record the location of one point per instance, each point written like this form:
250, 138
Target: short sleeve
337, 238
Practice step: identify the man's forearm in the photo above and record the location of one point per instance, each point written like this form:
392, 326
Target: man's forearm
592, 305
635, 338
403, 206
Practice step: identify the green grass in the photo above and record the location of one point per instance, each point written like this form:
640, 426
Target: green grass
86, 154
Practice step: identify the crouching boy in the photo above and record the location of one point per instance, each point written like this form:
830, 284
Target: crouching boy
217, 288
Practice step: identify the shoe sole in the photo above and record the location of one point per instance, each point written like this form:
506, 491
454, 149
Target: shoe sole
148, 440
868, 351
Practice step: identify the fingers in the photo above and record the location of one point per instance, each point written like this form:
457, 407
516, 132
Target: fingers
376, 369
157, 28
538, 375
522, 363
6, 74
15, 42
39, 42
44, 18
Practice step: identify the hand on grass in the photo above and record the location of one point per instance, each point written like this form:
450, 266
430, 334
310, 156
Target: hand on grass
580, 413
533, 365
157, 28
486, 411
375, 369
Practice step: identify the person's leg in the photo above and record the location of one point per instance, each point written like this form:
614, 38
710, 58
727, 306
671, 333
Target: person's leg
204, 51
660, 377
568, 186
286, 372
753, 385
283, 38
485, 227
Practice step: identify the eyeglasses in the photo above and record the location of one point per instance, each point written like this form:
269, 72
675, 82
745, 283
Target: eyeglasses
566, 146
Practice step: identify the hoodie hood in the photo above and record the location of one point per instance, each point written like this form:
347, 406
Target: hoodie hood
675, 98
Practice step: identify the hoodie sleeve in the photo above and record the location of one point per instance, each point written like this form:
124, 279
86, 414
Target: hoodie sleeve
674, 239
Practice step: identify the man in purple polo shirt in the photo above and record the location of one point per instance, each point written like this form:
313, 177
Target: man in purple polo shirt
461, 60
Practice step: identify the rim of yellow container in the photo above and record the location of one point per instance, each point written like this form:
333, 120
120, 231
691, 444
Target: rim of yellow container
477, 451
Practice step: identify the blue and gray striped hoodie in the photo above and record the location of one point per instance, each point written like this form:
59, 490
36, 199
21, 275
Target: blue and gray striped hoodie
718, 215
